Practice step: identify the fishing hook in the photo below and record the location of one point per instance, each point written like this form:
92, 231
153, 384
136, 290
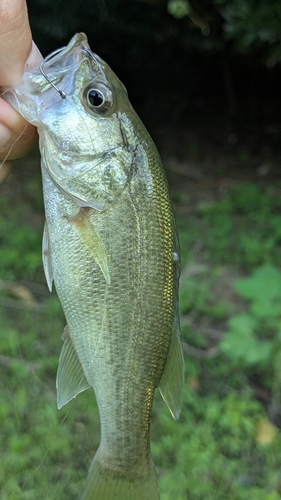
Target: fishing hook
61, 93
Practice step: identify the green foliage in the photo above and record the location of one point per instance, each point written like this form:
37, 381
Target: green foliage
254, 337
242, 344
211, 450
21, 232
247, 331
37, 441
253, 24
178, 8
214, 450
244, 228
263, 289
13, 260
196, 296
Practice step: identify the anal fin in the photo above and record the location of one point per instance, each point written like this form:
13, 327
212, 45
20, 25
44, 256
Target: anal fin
71, 379
172, 380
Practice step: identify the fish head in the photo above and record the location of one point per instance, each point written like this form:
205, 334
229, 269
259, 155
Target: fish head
82, 112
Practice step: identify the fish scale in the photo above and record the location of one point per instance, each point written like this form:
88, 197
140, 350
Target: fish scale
110, 246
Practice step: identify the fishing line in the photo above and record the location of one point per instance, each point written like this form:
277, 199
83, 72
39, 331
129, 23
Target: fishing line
5, 170
5, 162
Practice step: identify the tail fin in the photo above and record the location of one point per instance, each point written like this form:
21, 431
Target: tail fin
104, 483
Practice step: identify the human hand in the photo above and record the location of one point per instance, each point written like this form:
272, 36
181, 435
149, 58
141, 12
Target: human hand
17, 54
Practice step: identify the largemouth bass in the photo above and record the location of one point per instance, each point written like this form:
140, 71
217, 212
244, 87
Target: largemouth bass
110, 246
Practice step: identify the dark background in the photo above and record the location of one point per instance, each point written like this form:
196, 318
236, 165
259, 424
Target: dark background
214, 72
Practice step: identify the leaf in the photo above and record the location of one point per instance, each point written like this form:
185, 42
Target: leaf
263, 289
244, 323
178, 8
263, 285
241, 343
266, 432
266, 308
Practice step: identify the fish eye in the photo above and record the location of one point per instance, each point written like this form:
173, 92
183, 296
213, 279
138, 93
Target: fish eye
98, 98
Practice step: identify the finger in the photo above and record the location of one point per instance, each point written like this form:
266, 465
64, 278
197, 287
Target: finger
17, 53
15, 40
17, 137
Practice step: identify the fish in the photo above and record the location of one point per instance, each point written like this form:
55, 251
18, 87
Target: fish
110, 246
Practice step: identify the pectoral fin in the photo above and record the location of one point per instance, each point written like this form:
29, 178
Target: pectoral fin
171, 383
71, 379
91, 239
46, 257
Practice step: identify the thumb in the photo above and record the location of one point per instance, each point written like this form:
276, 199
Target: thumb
15, 40
17, 54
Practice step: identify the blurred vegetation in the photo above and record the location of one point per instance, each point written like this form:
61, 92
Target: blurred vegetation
227, 442
244, 25
253, 25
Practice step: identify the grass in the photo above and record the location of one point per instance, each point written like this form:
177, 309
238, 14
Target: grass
226, 443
